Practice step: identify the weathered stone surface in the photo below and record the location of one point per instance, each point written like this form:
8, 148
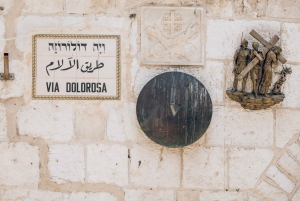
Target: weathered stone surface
248, 128
294, 150
287, 125
43, 195
226, 196
36, 195
288, 164
150, 166
43, 6
2, 39
7, 4
290, 42
66, 163
250, 102
252, 8
122, 124
291, 88
283, 9
296, 196
251, 198
149, 195
203, 167
107, 164
215, 134
16, 87
19, 165
246, 166
85, 196
3, 122
46, 121
91, 6
187, 196
90, 123
28, 25
269, 192
219, 8
223, 46
283, 182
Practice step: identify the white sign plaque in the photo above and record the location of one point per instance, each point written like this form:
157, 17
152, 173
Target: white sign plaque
82, 67
172, 35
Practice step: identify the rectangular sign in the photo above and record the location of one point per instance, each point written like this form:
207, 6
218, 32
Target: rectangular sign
79, 67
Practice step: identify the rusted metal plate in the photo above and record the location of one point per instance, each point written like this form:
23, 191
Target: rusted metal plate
174, 109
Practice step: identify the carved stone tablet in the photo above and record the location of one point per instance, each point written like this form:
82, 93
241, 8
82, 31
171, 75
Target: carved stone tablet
174, 109
172, 35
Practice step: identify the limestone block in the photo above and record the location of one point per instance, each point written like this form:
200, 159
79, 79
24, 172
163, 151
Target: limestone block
36, 195
107, 164
294, 150
47, 121
296, 196
149, 195
3, 122
16, 87
19, 165
248, 128
203, 167
66, 163
251, 198
246, 166
290, 88
90, 123
252, 8
26, 26
85, 196
2, 32
288, 164
7, 4
287, 125
154, 166
42, 6
122, 124
187, 196
283, 182
271, 193
91, 6
224, 196
219, 8
211, 76
290, 42
283, 9
133, 37
224, 36
215, 134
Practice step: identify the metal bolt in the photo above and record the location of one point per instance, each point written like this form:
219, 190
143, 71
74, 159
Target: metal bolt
1, 8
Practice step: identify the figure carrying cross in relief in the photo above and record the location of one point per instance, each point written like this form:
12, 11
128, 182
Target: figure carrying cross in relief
271, 61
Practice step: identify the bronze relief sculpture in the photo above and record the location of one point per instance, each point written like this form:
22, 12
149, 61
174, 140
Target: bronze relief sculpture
258, 65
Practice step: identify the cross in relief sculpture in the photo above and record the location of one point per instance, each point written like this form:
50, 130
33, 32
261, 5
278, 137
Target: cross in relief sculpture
268, 46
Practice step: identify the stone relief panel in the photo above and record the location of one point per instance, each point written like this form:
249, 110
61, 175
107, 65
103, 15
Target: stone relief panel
172, 36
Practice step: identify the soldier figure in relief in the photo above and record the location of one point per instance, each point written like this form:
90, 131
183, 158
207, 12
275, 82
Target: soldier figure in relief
240, 61
271, 61
255, 71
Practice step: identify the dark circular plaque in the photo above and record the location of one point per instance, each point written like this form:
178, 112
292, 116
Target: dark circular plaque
174, 109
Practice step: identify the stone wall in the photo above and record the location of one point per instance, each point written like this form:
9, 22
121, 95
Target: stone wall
95, 150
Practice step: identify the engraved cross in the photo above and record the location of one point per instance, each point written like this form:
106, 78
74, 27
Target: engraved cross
174, 21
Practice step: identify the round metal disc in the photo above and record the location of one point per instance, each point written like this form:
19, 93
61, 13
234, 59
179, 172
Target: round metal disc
174, 109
